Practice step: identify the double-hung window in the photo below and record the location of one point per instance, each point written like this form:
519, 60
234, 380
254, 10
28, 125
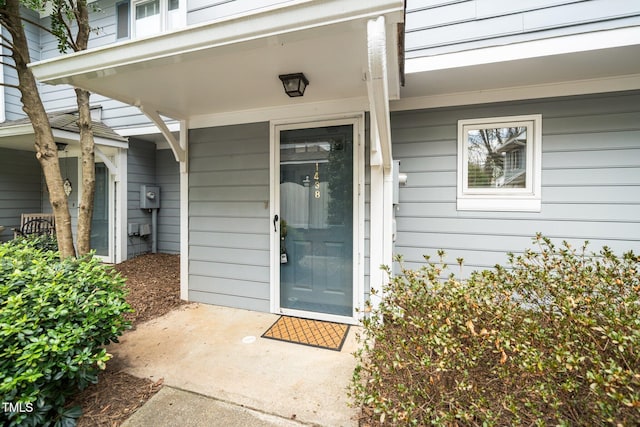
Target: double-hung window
499, 163
155, 16
149, 17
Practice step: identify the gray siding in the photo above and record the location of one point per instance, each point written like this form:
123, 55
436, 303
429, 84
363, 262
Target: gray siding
229, 216
208, 10
441, 26
13, 105
590, 180
141, 169
20, 190
168, 178
62, 97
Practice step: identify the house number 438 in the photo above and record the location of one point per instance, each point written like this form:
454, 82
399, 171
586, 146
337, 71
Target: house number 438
316, 183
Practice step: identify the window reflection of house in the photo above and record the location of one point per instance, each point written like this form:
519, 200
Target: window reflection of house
514, 152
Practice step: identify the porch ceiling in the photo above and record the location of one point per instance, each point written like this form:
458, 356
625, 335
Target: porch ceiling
233, 65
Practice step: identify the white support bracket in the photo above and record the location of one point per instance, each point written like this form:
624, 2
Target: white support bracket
178, 151
113, 169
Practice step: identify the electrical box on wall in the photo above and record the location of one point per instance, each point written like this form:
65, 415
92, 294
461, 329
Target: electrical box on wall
398, 180
145, 229
133, 229
149, 197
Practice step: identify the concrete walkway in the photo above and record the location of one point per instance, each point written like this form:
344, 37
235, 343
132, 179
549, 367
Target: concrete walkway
218, 371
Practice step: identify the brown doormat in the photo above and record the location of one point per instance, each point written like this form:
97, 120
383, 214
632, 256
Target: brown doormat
314, 333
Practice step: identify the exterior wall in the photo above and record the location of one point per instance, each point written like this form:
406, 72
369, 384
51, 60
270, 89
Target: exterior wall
208, 10
229, 216
20, 190
590, 181
62, 97
168, 178
13, 105
441, 26
141, 168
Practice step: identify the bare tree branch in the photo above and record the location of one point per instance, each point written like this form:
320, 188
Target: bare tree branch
6, 23
6, 64
10, 85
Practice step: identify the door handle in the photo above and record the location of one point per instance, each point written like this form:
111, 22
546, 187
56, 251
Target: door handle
275, 222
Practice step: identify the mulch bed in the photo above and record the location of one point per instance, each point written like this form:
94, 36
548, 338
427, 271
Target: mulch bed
154, 290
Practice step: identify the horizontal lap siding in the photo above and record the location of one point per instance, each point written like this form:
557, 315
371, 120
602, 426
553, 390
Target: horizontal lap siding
141, 169
208, 10
168, 178
20, 190
229, 216
12, 102
62, 97
590, 180
443, 26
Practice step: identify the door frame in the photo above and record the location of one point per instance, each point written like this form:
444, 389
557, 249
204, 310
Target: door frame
357, 121
113, 224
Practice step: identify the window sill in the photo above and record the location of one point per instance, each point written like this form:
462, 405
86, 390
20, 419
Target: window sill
508, 204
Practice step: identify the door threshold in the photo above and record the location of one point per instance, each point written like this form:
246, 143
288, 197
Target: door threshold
326, 317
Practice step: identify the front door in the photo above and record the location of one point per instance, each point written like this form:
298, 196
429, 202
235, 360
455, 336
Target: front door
100, 223
316, 221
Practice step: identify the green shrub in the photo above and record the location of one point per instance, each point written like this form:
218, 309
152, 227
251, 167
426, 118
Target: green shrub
55, 318
45, 242
552, 340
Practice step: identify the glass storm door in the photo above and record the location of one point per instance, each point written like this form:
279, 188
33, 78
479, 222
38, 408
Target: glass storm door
316, 220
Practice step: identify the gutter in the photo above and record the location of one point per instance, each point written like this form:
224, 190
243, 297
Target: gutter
379, 94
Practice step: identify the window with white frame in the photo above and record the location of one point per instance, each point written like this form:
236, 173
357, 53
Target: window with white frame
123, 18
151, 17
499, 163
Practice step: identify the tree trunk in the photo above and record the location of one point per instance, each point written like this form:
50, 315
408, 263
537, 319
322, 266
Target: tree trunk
85, 211
46, 150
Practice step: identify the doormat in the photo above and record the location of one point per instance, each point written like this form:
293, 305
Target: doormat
314, 333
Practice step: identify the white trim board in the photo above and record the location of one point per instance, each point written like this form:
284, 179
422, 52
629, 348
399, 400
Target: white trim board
530, 49
547, 90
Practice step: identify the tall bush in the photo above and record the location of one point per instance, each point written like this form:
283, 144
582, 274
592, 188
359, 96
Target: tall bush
554, 339
55, 318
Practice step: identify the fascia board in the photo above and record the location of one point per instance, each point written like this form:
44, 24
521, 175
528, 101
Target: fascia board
15, 130
73, 136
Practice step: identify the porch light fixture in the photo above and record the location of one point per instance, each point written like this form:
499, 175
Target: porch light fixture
294, 84
61, 146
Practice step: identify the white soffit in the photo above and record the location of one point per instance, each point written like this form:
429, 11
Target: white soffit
233, 64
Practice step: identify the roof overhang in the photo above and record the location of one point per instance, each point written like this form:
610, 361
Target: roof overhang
233, 64
569, 65
20, 136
